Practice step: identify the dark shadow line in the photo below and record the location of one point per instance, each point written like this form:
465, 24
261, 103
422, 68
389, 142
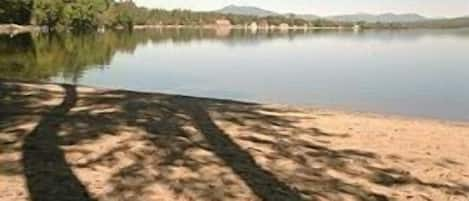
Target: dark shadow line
262, 182
48, 176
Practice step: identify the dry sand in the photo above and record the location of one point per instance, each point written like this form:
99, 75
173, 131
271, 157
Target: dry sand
65, 143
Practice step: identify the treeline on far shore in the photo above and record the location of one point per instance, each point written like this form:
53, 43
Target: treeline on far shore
94, 14
461, 22
80, 15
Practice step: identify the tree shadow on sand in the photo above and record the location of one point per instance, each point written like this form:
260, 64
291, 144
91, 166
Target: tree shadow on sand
49, 176
156, 146
264, 184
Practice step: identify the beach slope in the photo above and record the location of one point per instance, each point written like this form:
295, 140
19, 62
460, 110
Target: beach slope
63, 142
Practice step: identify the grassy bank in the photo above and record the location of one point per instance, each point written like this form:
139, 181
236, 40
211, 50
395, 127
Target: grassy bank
61, 142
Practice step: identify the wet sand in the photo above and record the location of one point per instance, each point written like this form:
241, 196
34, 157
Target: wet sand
61, 142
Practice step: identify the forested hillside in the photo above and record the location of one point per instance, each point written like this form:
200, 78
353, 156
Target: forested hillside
90, 14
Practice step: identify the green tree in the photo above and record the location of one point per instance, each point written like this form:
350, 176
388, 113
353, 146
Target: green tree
125, 14
16, 11
74, 14
81, 15
84, 14
48, 12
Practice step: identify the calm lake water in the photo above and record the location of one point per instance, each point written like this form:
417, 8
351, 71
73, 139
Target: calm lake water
417, 73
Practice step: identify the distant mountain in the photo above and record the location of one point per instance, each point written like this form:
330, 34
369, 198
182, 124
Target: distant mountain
246, 10
307, 17
255, 11
386, 18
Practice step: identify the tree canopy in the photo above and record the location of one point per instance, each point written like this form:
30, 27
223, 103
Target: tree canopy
16, 11
91, 14
82, 15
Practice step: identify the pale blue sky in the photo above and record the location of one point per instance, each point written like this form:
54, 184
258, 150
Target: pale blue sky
433, 8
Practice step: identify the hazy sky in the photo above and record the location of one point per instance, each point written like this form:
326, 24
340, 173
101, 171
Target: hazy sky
433, 8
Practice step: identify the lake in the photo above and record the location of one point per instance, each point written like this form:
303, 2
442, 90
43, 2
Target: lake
410, 72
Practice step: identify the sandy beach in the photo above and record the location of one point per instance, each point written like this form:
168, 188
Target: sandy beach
62, 142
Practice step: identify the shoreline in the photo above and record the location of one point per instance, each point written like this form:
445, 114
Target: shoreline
106, 144
310, 108
14, 29
240, 27
383, 115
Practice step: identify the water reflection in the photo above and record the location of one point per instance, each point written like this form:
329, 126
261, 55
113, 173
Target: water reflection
41, 56
412, 72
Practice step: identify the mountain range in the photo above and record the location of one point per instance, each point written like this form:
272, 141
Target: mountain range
246, 10
387, 17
